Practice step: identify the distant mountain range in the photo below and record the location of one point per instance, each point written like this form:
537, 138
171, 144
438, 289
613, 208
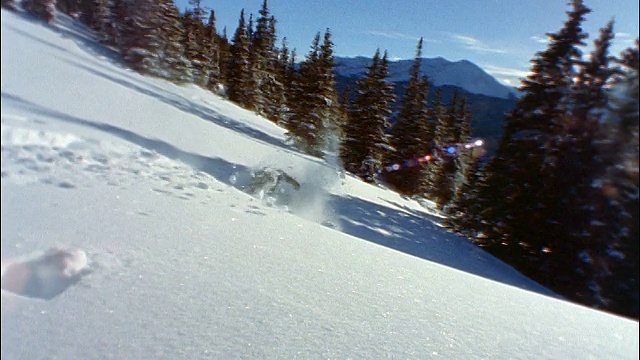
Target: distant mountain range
462, 74
488, 100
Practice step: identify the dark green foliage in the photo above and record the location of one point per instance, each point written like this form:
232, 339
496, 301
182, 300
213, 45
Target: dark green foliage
193, 42
87, 10
240, 84
269, 96
315, 118
224, 53
285, 73
365, 141
173, 61
513, 176
548, 203
9, 4
69, 7
41, 9
620, 184
439, 181
102, 21
212, 49
450, 173
412, 134
149, 38
488, 113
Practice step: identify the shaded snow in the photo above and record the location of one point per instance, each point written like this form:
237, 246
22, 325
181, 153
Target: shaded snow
126, 212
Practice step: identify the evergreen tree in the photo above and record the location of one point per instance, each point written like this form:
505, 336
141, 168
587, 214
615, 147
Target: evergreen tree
224, 54
620, 184
212, 49
585, 220
412, 134
102, 21
547, 175
520, 217
139, 41
9, 4
462, 209
284, 74
149, 38
269, 97
87, 9
193, 42
41, 9
69, 7
240, 84
442, 169
328, 106
173, 61
315, 117
365, 141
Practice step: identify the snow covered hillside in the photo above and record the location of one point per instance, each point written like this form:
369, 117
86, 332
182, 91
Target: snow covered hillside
133, 228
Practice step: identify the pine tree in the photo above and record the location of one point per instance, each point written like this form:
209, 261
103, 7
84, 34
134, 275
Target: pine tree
224, 49
439, 182
69, 7
240, 85
328, 105
462, 210
173, 61
520, 217
412, 134
314, 120
269, 97
9, 4
284, 74
149, 38
41, 9
212, 49
193, 41
587, 220
365, 141
87, 9
620, 184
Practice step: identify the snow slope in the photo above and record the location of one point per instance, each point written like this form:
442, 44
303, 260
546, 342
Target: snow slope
128, 232
463, 74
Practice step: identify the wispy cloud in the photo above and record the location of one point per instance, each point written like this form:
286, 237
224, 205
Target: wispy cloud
624, 39
472, 43
397, 35
540, 39
508, 76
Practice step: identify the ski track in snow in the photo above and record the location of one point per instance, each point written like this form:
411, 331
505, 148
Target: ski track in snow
68, 161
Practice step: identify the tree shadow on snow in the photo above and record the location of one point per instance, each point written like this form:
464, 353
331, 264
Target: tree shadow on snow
220, 169
418, 234
188, 106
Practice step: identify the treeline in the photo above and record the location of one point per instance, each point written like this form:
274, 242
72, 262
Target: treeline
558, 201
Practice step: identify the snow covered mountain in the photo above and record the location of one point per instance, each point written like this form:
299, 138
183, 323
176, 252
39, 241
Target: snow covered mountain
145, 220
463, 74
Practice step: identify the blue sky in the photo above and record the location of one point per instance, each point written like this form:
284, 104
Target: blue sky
499, 35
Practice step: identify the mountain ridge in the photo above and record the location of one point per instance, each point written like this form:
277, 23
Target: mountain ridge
440, 71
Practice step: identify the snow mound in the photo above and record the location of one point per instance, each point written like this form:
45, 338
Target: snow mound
47, 275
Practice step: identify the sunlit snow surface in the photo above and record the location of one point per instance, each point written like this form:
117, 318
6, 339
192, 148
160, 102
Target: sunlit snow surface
125, 209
